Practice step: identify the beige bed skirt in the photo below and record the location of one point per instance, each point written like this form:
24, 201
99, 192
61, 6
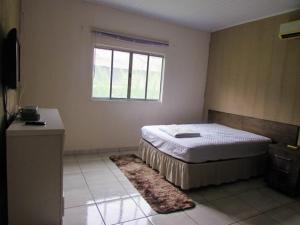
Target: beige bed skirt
193, 175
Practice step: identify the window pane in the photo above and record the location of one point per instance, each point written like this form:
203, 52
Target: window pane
154, 77
139, 72
120, 74
102, 71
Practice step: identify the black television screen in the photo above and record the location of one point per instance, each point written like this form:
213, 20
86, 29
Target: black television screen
11, 60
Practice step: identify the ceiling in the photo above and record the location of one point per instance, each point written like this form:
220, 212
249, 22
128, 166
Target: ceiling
210, 15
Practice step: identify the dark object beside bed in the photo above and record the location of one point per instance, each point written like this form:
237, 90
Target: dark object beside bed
284, 169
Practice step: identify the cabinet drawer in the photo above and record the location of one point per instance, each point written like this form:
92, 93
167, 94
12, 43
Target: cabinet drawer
284, 169
282, 163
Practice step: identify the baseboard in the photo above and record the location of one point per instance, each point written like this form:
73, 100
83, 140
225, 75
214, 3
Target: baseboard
99, 150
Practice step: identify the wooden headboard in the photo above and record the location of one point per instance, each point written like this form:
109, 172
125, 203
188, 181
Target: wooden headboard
278, 132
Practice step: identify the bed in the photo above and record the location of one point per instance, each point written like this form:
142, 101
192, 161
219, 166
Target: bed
231, 147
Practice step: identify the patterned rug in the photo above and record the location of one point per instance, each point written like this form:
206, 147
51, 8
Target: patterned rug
162, 196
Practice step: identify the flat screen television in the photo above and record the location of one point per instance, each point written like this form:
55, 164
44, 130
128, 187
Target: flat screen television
11, 60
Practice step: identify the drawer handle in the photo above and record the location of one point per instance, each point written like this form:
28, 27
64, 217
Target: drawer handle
282, 157
281, 170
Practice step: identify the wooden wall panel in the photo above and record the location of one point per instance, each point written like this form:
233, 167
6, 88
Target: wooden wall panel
252, 72
278, 132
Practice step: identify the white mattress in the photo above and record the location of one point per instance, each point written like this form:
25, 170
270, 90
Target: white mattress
217, 142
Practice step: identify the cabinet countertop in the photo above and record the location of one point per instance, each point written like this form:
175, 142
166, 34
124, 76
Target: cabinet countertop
54, 125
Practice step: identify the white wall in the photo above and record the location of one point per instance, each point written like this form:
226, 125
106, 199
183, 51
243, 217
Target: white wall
56, 72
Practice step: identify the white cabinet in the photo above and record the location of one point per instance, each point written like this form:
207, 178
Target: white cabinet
34, 171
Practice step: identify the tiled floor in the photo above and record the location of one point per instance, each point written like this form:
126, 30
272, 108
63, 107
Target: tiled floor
97, 193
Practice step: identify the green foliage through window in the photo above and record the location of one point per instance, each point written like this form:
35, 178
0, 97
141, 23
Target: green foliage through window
126, 75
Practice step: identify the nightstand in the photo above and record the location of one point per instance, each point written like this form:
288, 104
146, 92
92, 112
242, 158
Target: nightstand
284, 169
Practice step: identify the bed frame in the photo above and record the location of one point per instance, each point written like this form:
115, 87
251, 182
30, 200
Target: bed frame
194, 175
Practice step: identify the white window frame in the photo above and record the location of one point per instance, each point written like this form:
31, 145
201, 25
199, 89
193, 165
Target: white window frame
131, 52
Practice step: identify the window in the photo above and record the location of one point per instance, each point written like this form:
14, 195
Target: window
122, 74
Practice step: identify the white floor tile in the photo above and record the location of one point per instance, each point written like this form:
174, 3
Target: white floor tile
118, 211
285, 215
143, 221
90, 178
130, 189
117, 172
126, 182
243, 186
77, 197
70, 167
107, 159
73, 181
120, 176
106, 155
69, 158
88, 157
84, 215
208, 215
295, 206
108, 192
235, 208
259, 220
92, 165
279, 197
178, 218
259, 200
99, 177
196, 196
111, 165
213, 193
144, 206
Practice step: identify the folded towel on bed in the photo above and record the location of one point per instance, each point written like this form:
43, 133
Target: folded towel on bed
179, 132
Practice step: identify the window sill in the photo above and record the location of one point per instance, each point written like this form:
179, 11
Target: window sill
125, 100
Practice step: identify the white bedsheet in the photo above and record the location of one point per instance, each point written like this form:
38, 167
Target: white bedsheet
217, 142
178, 131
